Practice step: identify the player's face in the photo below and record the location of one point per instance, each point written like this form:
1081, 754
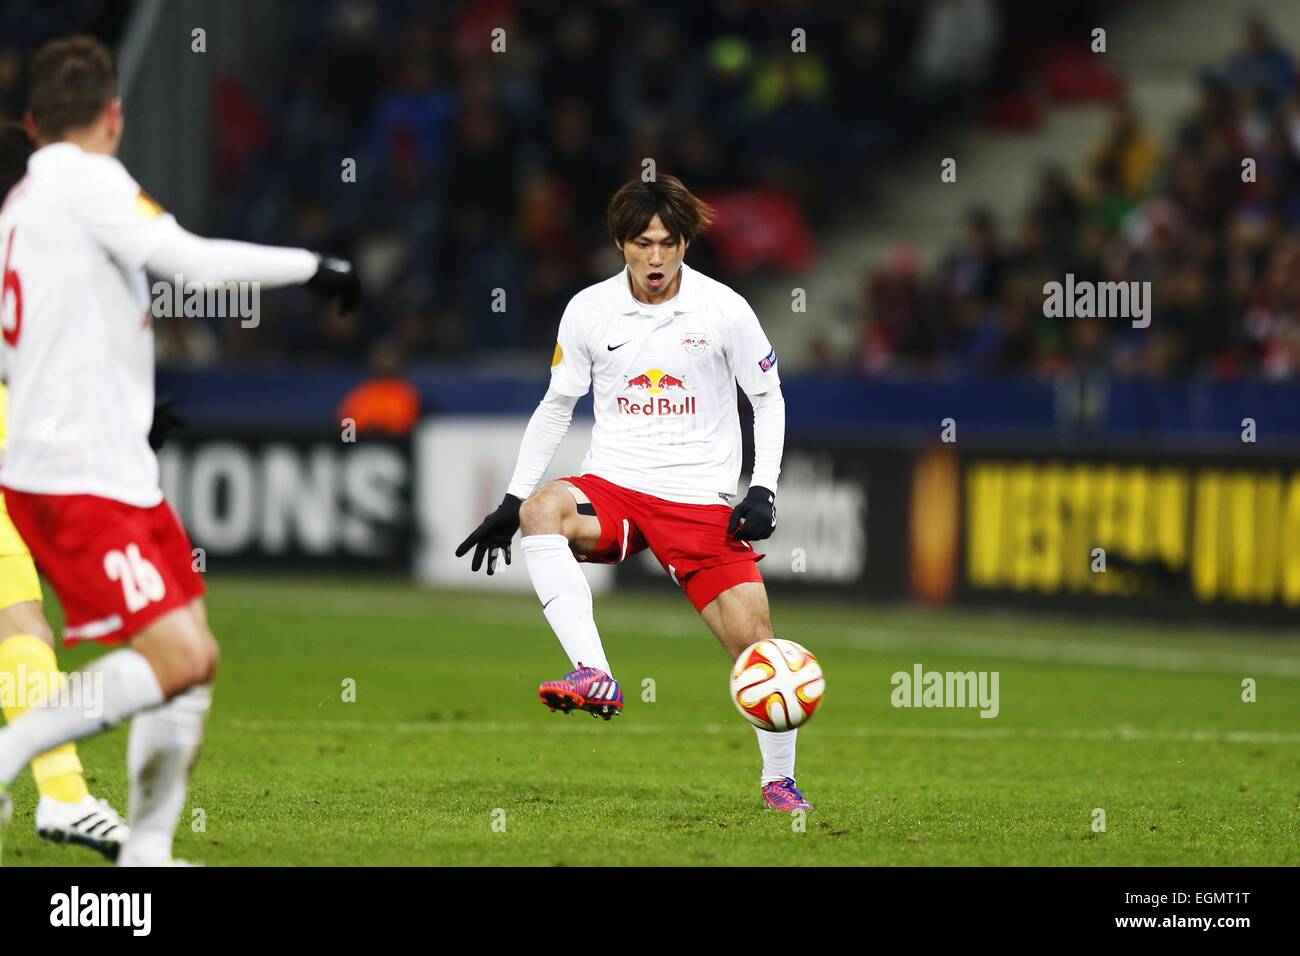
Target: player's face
654, 261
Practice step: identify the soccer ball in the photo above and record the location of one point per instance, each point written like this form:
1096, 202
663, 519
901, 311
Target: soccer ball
777, 684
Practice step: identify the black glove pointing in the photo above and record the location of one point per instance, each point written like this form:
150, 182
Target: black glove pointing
755, 517
165, 421
493, 535
336, 279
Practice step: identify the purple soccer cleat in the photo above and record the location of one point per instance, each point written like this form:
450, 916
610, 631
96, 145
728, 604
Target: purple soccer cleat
783, 795
586, 689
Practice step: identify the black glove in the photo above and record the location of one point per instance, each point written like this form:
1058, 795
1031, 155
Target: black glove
165, 421
493, 534
754, 518
336, 279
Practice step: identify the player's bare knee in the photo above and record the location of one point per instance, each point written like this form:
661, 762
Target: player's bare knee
36, 628
40, 629
25, 618
211, 657
543, 512
193, 657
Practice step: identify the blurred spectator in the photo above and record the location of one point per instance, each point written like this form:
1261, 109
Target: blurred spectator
975, 268
11, 85
1056, 209
958, 41
386, 403
1262, 65
1125, 158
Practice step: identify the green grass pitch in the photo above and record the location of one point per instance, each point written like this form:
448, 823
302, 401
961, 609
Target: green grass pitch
446, 738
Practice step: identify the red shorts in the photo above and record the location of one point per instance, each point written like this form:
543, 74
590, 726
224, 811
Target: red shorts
690, 541
115, 567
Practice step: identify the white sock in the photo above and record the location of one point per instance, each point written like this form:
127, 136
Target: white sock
163, 747
107, 692
778, 754
566, 598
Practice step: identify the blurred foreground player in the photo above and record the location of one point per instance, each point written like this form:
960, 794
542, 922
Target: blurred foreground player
65, 810
662, 347
77, 235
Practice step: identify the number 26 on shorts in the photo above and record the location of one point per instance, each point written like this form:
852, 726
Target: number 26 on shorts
141, 582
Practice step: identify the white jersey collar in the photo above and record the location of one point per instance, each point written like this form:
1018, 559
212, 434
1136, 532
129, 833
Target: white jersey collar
51, 152
683, 302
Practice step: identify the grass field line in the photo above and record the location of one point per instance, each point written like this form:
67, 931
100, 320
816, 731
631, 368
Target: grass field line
970, 644
1102, 655
1119, 733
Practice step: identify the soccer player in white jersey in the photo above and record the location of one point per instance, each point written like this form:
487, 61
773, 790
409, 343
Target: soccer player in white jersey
65, 811
77, 235
662, 347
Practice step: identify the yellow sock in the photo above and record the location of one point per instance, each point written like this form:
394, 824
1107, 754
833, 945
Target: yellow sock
58, 772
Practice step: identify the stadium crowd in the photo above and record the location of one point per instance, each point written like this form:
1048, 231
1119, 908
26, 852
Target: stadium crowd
1219, 242
480, 172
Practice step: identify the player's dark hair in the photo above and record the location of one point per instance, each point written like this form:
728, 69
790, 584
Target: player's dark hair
15, 147
637, 202
72, 80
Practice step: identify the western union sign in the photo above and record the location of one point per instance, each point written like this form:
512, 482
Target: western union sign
1222, 533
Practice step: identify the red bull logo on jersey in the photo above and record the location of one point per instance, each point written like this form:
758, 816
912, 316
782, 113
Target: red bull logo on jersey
658, 387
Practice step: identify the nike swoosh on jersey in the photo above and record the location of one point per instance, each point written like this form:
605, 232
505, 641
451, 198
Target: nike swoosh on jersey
615, 347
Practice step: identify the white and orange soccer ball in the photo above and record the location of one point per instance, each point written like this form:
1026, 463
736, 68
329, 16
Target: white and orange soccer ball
777, 684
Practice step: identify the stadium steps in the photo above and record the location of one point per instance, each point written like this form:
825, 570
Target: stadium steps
1159, 46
